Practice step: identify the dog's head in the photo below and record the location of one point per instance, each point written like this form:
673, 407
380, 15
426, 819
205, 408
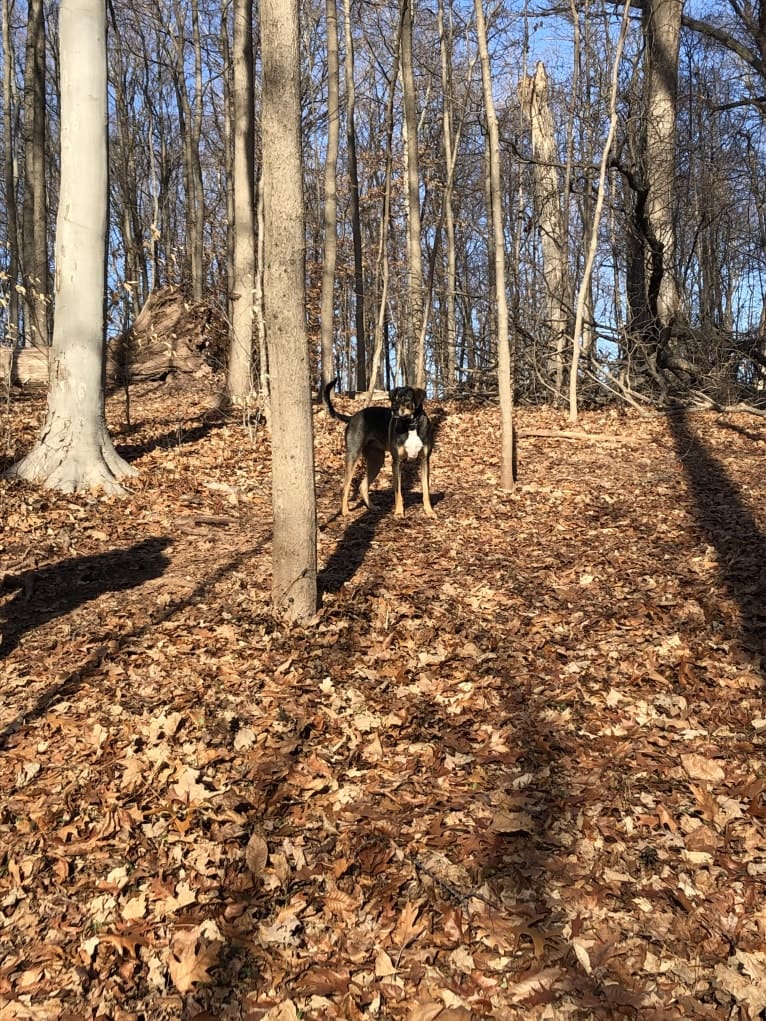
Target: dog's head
406, 401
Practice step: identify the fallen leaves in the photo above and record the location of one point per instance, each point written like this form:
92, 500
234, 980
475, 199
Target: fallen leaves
514, 769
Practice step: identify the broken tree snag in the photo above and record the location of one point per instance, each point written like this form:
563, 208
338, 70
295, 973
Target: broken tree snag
170, 335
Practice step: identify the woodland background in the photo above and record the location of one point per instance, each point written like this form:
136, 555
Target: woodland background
172, 127
512, 765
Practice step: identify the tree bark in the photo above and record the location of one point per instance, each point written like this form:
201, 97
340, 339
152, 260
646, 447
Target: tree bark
197, 224
505, 365
382, 262
356, 223
330, 192
584, 289
228, 152
260, 326
534, 102
445, 53
124, 182
9, 172
662, 28
294, 590
190, 128
238, 379
416, 369
75, 451
35, 206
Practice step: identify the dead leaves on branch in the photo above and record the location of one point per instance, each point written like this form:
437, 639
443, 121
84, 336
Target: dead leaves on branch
514, 770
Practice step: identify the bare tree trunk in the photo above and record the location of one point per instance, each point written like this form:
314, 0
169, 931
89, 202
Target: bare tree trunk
228, 155
35, 207
662, 28
9, 171
416, 368
356, 223
505, 366
385, 223
197, 226
534, 101
584, 290
190, 126
445, 53
330, 192
75, 451
294, 589
260, 326
124, 183
238, 379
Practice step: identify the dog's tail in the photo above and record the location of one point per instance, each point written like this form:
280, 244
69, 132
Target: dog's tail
326, 391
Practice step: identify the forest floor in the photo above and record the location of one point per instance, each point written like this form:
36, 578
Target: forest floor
515, 767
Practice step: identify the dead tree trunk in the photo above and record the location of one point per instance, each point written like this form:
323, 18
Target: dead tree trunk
534, 101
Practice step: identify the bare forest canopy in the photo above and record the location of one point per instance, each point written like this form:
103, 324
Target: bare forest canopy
672, 303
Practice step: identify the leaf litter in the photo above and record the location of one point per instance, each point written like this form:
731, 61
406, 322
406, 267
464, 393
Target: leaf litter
514, 768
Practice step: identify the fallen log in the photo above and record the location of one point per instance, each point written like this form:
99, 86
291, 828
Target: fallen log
169, 335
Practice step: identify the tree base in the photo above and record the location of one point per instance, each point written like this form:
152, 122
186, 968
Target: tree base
60, 463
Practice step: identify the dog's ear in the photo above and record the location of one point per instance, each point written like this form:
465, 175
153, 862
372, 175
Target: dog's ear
393, 392
420, 396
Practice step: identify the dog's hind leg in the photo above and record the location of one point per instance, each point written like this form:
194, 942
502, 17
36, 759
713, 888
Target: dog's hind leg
374, 458
351, 460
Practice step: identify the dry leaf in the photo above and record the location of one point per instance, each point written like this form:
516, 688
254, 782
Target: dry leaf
256, 854
408, 927
286, 1011
187, 790
744, 990
282, 930
698, 767
425, 1010
512, 822
134, 908
184, 895
191, 958
581, 952
384, 966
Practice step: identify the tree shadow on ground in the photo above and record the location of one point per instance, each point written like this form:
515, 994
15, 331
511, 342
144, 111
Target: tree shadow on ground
48, 592
138, 564
349, 554
756, 437
731, 529
484, 883
180, 434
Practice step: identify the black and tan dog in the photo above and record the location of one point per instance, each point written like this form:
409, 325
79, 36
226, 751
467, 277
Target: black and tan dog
403, 429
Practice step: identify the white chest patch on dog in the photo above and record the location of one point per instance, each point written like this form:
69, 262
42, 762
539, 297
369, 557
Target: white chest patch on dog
413, 443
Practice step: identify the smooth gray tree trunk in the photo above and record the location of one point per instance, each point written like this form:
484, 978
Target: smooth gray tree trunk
239, 381
74, 451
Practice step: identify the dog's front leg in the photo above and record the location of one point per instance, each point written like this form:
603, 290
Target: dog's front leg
398, 499
425, 485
